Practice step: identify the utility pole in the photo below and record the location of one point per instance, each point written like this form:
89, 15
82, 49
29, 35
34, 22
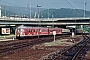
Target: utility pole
39, 22
48, 13
52, 22
84, 12
85, 8
5, 11
39, 14
30, 11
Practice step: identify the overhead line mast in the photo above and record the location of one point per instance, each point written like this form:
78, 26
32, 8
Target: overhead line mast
85, 8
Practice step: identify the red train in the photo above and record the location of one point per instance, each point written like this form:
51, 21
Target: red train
24, 31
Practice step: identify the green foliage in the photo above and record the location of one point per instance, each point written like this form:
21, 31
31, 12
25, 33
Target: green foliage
78, 27
44, 13
7, 13
64, 13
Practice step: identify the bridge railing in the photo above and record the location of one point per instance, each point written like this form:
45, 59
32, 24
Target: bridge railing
40, 19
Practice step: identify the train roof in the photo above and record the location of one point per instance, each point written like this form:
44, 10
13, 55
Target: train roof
36, 27
29, 27
23, 27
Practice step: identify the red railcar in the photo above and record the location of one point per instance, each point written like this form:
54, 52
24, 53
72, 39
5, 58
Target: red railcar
79, 31
24, 31
58, 30
44, 31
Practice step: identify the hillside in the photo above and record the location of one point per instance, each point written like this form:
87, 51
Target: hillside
64, 13
12, 10
44, 13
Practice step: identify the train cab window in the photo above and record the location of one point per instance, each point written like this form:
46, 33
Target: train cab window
18, 30
22, 30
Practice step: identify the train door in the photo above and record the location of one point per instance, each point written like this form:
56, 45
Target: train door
32, 31
60, 30
29, 31
35, 31
26, 32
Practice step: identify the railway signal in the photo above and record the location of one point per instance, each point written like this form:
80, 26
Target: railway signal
54, 33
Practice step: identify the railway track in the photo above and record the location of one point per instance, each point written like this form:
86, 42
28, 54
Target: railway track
75, 52
11, 47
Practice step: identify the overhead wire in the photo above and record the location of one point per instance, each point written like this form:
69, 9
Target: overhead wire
74, 7
58, 3
10, 3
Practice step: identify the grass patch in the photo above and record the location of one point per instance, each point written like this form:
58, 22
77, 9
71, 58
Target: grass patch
56, 43
8, 36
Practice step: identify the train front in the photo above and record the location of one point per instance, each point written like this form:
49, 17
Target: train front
19, 33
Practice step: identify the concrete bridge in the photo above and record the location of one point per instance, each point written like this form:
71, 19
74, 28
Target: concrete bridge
45, 21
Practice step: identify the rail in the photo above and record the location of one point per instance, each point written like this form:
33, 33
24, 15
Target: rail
69, 53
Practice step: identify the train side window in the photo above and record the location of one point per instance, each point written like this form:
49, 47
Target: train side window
36, 30
29, 30
51, 30
40, 30
26, 30
18, 30
43, 30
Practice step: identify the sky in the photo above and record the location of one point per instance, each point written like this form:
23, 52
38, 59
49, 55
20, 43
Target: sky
78, 4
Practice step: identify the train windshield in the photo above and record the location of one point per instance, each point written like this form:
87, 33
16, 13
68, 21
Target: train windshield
22, 30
